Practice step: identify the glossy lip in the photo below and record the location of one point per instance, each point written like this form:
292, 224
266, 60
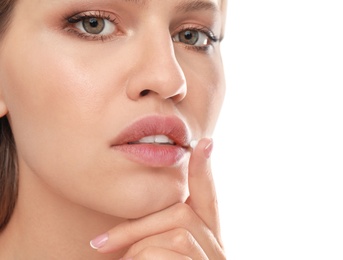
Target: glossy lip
154, 155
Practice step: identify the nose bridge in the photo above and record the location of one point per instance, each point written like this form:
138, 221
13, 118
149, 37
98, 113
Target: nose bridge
161, 54
157, 68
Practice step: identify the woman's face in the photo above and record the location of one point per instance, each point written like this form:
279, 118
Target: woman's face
84, 82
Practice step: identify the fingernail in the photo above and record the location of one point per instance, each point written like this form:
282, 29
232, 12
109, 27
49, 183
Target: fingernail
99, 241
208, 149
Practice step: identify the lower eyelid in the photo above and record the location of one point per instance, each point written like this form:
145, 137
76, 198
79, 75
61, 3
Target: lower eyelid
200, 49
89, 37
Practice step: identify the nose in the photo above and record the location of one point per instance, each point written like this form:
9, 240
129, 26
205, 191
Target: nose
156, 71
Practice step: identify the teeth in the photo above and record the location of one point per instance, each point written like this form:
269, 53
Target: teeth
162, 139
147, 140
158, 139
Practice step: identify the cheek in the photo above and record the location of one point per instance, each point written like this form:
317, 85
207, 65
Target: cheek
53, 103
206, 91
59, 88
38, 100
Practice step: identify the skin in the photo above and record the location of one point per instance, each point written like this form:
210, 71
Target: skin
68, 96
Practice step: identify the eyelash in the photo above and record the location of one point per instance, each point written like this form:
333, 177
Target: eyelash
210, 35
73, 20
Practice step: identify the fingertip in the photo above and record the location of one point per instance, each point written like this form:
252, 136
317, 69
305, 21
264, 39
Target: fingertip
203, 147
99, 241
200, 158
208, 149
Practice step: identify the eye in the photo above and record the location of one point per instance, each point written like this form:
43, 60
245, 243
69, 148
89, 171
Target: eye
95, 25
192, 37
195, 37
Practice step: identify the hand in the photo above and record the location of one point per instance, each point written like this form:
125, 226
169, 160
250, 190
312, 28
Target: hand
183, 231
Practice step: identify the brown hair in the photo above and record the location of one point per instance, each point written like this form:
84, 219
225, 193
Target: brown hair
8, 157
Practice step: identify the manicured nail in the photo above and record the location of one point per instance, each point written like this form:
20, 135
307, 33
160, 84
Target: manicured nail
99, 241
208, 149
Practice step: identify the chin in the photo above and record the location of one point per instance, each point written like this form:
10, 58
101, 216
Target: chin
133, 191
153, 203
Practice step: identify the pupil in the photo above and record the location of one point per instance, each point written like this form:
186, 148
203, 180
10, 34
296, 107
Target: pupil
93, 22
93, 25
188, 35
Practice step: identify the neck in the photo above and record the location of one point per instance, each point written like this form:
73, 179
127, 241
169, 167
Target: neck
44, 224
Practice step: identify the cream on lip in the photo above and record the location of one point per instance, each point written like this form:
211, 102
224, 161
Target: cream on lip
193, 143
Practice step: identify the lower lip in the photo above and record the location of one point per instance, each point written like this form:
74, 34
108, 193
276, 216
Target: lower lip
153, 155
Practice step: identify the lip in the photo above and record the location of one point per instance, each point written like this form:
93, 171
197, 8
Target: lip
154, 155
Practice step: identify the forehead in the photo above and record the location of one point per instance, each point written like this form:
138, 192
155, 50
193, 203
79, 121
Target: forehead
219, 4
181, 5
144, 2
187, 5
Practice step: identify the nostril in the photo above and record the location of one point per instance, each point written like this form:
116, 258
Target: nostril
144, 92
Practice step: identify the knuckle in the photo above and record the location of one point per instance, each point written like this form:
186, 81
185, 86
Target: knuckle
182, 239
133, 250
147, 253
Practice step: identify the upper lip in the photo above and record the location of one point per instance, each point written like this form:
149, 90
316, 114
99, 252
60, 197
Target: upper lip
171, 126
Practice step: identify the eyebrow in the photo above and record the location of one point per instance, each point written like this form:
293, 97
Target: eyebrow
196, 5
185, 6
138, 2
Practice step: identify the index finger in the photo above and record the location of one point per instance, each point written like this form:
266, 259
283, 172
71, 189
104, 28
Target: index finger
203, 198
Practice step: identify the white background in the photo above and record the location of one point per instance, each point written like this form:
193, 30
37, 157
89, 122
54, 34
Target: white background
278, 158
